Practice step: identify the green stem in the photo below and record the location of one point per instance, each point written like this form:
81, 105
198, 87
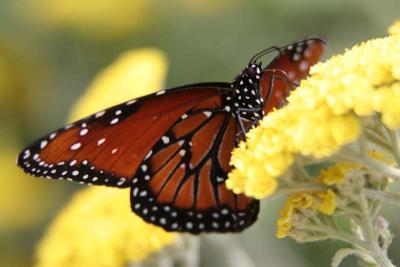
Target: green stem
366, 222
387, 197
381, 167
300, 187
381, 258
300, 172
334, 234
349, 154
376, 139
373, 250
394, 137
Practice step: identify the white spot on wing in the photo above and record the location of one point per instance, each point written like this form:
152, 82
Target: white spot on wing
101, 141
27, 153
43, 144
149, 154
114, 121
189, 225
207, 113
160, 92
83, 132
121, 181
303, 65
130, 102
165, 139
99, 114
75, 146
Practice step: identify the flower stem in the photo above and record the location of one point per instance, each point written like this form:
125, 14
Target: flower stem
300, 172
381, 258
300, 187
394, 137
387, 197
349, 154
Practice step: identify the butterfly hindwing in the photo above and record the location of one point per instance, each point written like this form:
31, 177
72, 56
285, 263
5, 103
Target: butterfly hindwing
182, 189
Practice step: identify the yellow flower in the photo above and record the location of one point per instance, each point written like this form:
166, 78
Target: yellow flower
336, 173
98, 18
323, 202
21, 192
98, 228
395, 28
380, 156
387, 101
323, 114
135, 73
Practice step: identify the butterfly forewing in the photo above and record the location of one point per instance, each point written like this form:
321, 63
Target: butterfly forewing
287, 69
183, 187
106, 148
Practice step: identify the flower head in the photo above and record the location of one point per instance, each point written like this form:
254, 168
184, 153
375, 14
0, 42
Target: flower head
322, 115
98, 228
291, 216
336, 173
395, 28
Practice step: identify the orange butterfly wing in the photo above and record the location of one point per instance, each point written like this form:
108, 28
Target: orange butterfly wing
106, 148
183, 187
286, 70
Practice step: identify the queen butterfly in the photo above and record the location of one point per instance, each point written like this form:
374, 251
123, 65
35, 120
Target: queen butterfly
173, 147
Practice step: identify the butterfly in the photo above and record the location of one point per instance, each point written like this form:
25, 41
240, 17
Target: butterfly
172, 148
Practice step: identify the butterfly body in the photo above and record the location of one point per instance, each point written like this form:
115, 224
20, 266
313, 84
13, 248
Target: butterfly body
172, 148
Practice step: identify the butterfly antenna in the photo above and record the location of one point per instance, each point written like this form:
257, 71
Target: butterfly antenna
265, 52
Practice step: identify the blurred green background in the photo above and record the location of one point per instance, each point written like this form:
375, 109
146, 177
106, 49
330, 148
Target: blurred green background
51, 49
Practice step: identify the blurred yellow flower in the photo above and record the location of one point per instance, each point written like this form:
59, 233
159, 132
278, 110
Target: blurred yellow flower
98, 228
135, 73
336, 173
323, 114
209, 7
25, 201
323, 202
395, 28
97, 18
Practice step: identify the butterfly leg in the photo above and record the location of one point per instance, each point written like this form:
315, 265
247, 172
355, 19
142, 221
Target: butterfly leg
277, 74
244, 129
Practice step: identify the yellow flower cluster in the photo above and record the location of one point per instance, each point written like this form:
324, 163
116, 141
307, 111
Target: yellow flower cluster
322, 115
21, 191
395, 28
98, 228
135, 73
336, 173
323, 202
